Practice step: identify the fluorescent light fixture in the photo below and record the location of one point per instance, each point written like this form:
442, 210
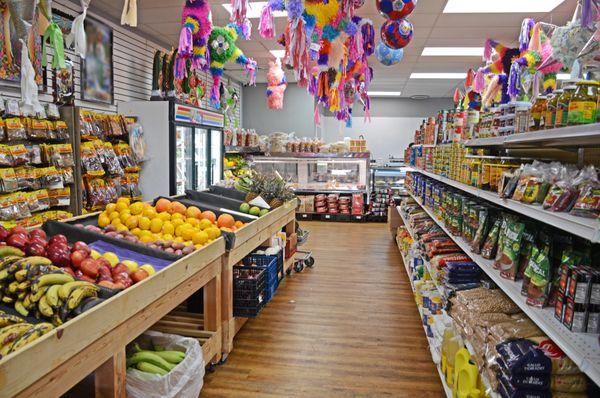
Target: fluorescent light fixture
384, 93
452, 52
563, 76
255, 9
278, 53
503, 6
458, 76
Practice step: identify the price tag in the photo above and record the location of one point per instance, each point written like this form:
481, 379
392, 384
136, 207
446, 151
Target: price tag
327, 216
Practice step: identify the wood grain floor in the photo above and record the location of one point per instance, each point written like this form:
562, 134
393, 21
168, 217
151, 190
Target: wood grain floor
346, 328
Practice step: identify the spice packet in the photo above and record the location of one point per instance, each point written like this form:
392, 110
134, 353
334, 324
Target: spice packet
588, 203
8, 180
538, 272
90, 161
19, 155
15, 129
491, 242
508, 259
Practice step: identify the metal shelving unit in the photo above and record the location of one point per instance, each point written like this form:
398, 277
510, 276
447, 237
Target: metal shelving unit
571, 136
582, 348
579, 226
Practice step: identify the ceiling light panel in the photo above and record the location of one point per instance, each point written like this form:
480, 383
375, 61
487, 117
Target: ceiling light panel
452, 52
384, 93
278, 53
444, 75
503, 6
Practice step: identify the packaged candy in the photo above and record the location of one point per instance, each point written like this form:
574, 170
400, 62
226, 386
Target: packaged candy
67, 175
96, 193
5, 156
32, 201
113, 189
8, 180
117, 125
60, 131
8, 209
60, 155
20, 202
125, 157
51, 178
43, 199
59, 197
38, 129
15, 129
110, 160
19, 155
27, 178
35, 154
90, 161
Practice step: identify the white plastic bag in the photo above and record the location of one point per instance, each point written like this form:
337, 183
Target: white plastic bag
183, 381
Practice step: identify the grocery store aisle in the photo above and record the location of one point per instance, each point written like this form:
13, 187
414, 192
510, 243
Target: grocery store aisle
347, 328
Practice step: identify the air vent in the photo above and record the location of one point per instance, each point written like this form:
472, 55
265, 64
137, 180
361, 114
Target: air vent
419, 97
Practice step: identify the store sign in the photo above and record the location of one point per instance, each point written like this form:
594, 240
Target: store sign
203, 117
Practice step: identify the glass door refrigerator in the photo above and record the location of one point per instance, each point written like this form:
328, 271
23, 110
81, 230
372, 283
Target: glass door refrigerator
197, 145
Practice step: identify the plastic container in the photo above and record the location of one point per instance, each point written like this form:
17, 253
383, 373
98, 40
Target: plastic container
248, 291
271, 266
582, 108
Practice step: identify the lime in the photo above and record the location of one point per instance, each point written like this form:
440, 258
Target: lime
244, 207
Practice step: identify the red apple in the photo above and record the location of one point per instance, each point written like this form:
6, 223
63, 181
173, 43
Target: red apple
18, 240
104, 271
87, 279
78, 274
89, 267
79, 245
77, 258
39, 240
104, 262
69, 270
39, 233
111, 285
35, 249
125, 280
3, 233
18, 230
58, 239
139, 275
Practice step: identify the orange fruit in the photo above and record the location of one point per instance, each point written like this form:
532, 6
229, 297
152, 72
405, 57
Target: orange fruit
209, 215
111, 207
193, 212
136, 208
164, 216
125, 200
188, 233
199, 238
144, 223
204, 223
121, 207
168, 228
177, 216
213, 232
177, 207
150, 212
103, 220
132, 222
194, 222
162, 205
239, 224
225, 220
156, 225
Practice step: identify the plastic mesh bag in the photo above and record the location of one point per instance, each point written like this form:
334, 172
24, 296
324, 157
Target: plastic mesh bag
183, 381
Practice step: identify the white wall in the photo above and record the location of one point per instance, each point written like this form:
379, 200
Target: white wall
385, 135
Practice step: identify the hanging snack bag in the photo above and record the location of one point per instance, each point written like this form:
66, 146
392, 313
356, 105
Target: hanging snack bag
87, 125
60, 130
111, 161
508, 259
19, 154
491, 242
27, 178
6, 159
35, 154
8, 179
59, 197
21, 206
90, 161
52, 112
52, 178
39, 130
43, 199
125, 156
32, 201
118, 126
67, 175
15, 129
113, 189
61, 155
133, 186
8, 209
96, 193
588, 203
137, 142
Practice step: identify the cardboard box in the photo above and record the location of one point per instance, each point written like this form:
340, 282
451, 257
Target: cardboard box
291, 245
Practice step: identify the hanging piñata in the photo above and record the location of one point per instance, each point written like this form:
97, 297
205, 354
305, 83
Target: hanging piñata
276, 85
197, 25
222, 49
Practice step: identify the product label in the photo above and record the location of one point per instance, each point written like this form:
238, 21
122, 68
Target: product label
550, 119
582, 112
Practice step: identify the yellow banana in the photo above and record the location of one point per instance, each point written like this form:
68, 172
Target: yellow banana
23, 286
44, 307
8, 319
27, 303
54, 279
23, 262
7, 261
21, 275
4, 274
52, 296
65, 290
13, 287
7, 299
20, 308
31, 335
56, 321
9, 334
79, 294
40, 292
6, 251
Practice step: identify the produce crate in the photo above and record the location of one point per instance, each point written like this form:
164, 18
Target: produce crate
271, 266
248, 291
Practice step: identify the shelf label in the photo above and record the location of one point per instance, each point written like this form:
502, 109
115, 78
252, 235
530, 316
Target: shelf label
327, 216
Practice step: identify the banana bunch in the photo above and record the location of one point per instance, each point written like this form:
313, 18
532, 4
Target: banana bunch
156, 362
18, 335
33, 284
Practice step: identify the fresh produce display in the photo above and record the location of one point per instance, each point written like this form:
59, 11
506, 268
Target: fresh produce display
235, 167
253, 210
271, 188
157, 361
168, 225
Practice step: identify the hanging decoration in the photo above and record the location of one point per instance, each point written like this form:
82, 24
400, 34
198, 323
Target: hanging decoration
197, 25
76, 37
266, 25
388, 56
276, 85
396, 34
222, 49
395, 9
239, 8
53, 36
129, 14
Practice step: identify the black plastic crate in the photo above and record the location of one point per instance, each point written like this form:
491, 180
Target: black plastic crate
271, 266
248, 291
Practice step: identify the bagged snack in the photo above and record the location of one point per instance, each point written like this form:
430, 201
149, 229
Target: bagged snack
137, 142
60, 131
8, 180
32, 202
125, 157
67, 175
2, 130
27, 178
530, 183
562, 189
39, 130
96, 193
21, 206
561, 364
5, 156
508, 259
59, 155
117, 125
59, 197
52, 112
111, 162
491, 242
90, 161
538, 272
527, 242
588, 202
15, 129
8, 209
35, 154
50, 178
508, 182
43, 199
113, 189
89, 130
19, 155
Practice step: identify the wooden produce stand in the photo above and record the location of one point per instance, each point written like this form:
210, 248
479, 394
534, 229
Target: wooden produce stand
246, 241
95, 341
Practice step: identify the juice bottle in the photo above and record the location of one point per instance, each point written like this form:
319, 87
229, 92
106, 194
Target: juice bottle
562, 106
550, 119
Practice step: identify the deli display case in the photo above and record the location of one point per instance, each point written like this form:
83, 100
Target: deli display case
330, 186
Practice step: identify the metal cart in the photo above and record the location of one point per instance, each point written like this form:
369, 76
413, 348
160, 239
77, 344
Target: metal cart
302, 258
